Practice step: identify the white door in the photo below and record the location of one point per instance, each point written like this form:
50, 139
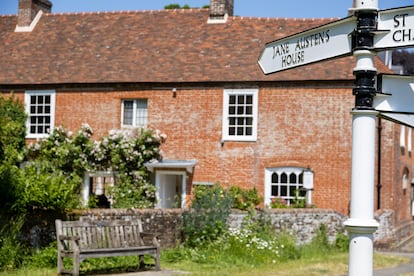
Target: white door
170, 189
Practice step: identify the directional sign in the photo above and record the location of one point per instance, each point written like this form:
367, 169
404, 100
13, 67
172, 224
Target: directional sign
324, 42
396, 28
397, 102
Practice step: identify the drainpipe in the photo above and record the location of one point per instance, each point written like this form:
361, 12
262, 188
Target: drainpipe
379, 186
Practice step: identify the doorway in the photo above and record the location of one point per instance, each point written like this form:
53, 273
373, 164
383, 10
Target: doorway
171, 189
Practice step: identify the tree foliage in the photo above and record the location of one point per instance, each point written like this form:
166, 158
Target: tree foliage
123, 152
186, 6
12, 129
12, 145
406, 59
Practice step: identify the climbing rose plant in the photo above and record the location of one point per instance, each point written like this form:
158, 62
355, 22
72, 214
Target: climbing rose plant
123, 152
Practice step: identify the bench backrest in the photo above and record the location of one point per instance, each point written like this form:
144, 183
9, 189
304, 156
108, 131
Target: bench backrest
102, 234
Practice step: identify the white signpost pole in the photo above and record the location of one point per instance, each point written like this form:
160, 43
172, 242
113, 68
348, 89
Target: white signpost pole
361, 224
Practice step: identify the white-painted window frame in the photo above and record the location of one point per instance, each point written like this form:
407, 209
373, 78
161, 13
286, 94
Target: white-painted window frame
226, 136
27, 100
135, 110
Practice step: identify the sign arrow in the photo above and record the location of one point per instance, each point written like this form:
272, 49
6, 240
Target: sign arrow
396, 102
395, 28
321, 43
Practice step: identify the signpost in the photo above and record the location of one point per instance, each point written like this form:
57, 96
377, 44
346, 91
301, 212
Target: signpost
395, 28
325, 42
360, 34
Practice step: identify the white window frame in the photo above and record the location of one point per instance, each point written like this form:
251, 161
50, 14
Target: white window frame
225, 129
134, 113
27, 96
288, 170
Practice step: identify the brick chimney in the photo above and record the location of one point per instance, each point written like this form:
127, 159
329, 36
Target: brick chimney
28, 9
220, 9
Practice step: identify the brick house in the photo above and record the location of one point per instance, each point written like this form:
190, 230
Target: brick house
193, 74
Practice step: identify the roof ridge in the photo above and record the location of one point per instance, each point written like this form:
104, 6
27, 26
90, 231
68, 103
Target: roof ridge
281, 18
128, 11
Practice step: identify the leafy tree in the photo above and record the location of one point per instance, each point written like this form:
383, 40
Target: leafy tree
12, 145
404, 58
12, 129
186, 6
66, 157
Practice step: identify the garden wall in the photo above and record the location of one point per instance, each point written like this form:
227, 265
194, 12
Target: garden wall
302, 223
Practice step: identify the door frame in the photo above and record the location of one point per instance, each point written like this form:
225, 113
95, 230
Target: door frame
159, 173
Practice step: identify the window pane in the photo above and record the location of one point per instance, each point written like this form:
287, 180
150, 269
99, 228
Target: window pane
40, 100
301, 178
128, 112
240, 110
249, 131
239, 131
240, 99
249, 99
240, 121
232, 110
232, 130
40, 110
275, 191
249, 121
283, 178
275, 178
292, 190
141, 113
249, 110
232, 121
47, 99
232, 99
32, 100
283, 190
292, 178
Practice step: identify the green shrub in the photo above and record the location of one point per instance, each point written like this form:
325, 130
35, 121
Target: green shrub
12, 251
342, 242
44, 187
206, 220
44, 258
12, 130
244, 199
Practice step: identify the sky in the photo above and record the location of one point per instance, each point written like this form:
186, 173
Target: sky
254, 8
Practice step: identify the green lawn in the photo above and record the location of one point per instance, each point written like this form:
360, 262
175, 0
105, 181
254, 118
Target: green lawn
334, 264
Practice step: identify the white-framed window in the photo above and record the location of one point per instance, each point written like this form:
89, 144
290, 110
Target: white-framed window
287, 183
240, 114
40, 108
134, 113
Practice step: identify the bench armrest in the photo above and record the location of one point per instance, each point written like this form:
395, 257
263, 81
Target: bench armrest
68, 238
148, 234
154, 237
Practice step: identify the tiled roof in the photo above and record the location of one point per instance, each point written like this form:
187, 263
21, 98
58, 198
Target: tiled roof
151, 46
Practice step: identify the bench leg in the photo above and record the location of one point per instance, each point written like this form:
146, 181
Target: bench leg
76, 264
157, 261
59, 263
141, 262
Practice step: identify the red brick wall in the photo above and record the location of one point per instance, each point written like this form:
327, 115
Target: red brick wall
303, 126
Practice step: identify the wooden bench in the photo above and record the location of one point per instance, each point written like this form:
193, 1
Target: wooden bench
80, 240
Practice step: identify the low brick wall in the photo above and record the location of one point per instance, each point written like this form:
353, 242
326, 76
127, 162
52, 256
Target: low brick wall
166, 222
302, 223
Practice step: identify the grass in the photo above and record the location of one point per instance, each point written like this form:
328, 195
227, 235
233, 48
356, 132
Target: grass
332, 264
